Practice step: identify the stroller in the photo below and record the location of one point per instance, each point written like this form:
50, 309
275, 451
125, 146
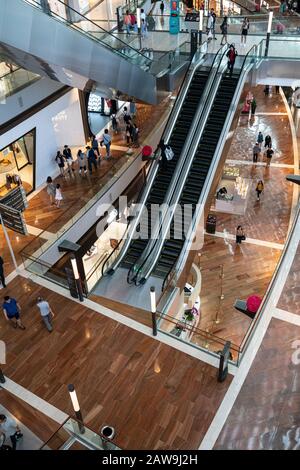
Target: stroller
4, 446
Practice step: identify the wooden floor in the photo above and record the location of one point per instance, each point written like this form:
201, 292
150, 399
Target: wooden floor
248, 270
42, 426
155, 396
77, 191
265, 414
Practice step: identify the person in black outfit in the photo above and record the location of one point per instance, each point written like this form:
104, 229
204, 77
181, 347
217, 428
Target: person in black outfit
164, 161
268, 141
2, 277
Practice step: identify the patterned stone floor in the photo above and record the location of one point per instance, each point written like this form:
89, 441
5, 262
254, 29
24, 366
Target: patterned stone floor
290, 297
266, 413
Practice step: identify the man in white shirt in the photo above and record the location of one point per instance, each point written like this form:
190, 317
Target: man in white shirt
106, 140
9, 427
143, 15
46, 313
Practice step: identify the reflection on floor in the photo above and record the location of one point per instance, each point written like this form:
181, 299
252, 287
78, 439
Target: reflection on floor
117, 288
290, 297
155, 396
266, 412
36, 427
247, 268
29, 440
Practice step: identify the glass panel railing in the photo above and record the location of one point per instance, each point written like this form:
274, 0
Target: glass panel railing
76, 20
15, 81
73, 435
129, 46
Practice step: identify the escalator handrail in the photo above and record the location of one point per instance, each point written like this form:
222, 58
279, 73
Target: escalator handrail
157, 240
86, 33
204, 193
131, 228
131, 279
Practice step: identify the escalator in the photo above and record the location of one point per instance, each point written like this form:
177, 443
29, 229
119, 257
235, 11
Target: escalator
198, 172
163, 178
68, 47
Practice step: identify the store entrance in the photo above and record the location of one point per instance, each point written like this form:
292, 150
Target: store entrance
17, 164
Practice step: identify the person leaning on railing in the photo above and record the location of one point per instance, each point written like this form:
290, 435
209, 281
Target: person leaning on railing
45, 6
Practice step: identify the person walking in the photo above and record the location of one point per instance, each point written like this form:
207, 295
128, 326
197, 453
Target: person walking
144, 30
95, 145
268, 141
9, 427
240, 235
162, 8
2, 277
50, 189
260, 139
162, 147
12, 310
135, 135
126, 116
61, 163
253, 106
269, 155
224, 30
69, 158
46, 313
106, 140
259, 189
91, 158
231, 54
127, 22
213, 23
58, 196
256, 152
129, 133
244, 30
81, 158
114, 123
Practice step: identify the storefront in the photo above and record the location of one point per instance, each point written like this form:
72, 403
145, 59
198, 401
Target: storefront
17, 164
233, 192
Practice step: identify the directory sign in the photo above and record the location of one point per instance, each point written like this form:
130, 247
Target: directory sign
13, 219
174, 17
16, 198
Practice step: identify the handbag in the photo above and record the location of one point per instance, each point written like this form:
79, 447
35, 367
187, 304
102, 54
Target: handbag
18, 435
243, 237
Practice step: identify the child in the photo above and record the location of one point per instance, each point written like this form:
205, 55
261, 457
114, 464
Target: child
58, 195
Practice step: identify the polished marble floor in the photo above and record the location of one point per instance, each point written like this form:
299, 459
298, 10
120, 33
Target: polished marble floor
266, 412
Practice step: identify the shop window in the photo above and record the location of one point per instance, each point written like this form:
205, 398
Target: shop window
17, 164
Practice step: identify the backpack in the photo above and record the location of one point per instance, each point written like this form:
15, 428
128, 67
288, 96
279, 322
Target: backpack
169, 153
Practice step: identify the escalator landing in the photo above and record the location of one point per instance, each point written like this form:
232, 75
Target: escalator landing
116, 288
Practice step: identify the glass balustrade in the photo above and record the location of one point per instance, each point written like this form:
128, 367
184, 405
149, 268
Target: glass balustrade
14, 81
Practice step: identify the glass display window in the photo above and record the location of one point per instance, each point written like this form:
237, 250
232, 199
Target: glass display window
17, 164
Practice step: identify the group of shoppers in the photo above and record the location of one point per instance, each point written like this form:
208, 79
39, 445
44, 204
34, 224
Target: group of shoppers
130, 22
12, 312
257, 149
